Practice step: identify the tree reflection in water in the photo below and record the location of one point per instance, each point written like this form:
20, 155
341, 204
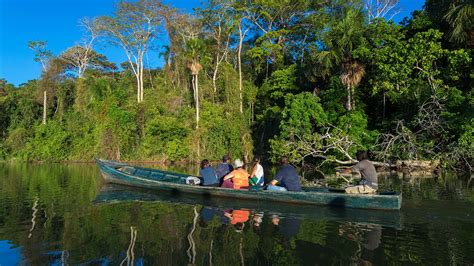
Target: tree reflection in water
192, 244
84, 226
33, 217
130, 258
366, 236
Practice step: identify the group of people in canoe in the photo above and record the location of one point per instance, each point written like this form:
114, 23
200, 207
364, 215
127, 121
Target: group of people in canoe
235, 176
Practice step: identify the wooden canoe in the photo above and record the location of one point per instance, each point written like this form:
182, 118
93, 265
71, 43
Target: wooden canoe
124, 174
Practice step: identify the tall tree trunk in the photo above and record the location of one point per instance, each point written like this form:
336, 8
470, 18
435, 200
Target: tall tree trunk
197, 100
214, 75
349, 99
239, 59
353, 98
44, 107
138, 86
141, 81
199, 146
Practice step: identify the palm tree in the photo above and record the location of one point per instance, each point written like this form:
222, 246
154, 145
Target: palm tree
166, 54
352, 74
460, 17
194, 51
340, 41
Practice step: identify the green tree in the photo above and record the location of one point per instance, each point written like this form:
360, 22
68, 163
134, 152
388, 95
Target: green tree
342, 38
460, 18
134, 28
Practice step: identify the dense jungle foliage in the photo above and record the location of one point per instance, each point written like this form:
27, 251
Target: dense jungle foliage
316, 80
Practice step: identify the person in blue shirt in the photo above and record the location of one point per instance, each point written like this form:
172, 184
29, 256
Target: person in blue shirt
224, 168
287, 178
208, 174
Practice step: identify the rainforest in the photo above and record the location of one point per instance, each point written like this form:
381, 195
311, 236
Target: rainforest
314, 80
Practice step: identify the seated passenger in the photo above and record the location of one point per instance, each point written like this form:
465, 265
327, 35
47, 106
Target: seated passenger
208, 174
257, 177
224, 168
368, 182
237, 179
287, 178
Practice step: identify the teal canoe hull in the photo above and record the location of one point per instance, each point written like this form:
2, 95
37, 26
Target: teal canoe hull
123, 174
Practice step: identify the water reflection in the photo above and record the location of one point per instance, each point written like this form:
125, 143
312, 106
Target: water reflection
33, 218
111, 193
367, 237
60, 214
130, 257
192, 244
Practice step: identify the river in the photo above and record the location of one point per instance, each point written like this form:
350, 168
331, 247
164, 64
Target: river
57, 214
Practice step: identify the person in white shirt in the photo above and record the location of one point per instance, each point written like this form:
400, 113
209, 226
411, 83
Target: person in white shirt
257, 176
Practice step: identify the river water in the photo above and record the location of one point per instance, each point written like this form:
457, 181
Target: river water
61, 214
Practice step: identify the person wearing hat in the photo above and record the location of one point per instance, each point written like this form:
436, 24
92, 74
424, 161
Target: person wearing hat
224, 168
238, 178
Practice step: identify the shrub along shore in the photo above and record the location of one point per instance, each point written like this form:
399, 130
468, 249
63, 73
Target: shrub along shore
312, 81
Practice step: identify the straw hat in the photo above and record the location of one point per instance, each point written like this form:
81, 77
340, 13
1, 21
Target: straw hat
238, 163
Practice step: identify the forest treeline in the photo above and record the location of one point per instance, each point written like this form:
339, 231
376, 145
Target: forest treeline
315, 80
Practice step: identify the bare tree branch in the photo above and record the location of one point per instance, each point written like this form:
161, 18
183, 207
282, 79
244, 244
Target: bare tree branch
386, 9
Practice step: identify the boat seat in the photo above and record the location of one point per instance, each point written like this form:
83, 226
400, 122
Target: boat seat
128, 170
142, 173
156, 175
164, 177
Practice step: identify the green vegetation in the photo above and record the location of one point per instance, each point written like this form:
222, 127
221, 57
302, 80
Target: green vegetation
315, 80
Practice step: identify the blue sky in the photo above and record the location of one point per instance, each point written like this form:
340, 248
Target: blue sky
56, 22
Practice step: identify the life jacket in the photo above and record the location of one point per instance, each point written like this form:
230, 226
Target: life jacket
240, 179
240, 216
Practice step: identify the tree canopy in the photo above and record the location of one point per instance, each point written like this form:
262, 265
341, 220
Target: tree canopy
315, 80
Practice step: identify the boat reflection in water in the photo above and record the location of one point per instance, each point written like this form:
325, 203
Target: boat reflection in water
358, 231
111, 193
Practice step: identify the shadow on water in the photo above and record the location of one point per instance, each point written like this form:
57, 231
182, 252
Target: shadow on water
338, 202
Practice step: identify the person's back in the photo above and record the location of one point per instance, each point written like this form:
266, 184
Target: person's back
224, 167
368, 183
240, 179
288, 177
367, 172
209, 176
257, 176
